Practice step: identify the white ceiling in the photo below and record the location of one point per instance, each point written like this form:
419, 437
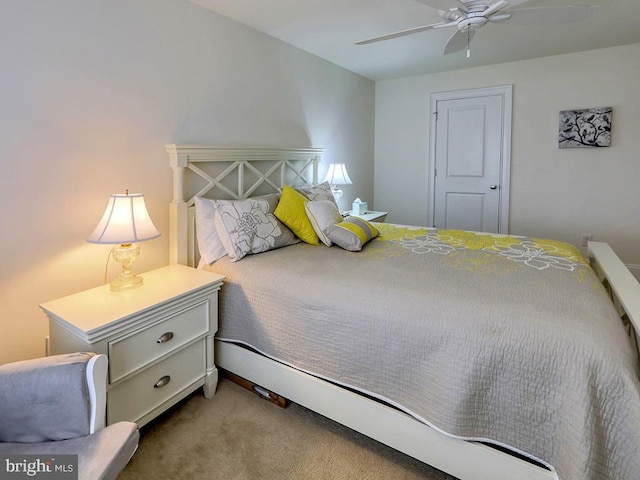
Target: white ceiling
330, 28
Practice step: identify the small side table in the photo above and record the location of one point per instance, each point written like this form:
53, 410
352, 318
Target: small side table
372, 216
158, 338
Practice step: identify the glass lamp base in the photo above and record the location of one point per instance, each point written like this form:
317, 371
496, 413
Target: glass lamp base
126, 253
125, 282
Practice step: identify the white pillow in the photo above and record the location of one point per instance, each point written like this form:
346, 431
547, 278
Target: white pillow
209, 244
322, 214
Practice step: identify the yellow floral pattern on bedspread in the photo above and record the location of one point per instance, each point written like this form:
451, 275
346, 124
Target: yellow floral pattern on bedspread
481, 252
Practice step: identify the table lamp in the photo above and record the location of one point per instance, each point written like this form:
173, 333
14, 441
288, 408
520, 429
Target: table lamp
337, 175
125, 222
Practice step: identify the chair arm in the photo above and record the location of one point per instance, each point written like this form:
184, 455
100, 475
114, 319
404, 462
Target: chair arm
97, 385
49, 398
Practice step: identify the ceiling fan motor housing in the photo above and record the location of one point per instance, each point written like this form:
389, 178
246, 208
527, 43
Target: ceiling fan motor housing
474, 20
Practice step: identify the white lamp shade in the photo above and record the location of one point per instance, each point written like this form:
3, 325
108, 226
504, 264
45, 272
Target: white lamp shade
337, 175
125, 220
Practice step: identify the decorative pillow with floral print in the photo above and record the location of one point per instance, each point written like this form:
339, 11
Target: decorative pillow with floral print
249, 226
322, 191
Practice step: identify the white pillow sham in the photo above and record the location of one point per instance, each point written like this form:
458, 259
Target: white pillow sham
322, 214
209, 244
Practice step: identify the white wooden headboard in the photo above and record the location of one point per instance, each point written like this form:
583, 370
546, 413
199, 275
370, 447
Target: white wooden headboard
228, 173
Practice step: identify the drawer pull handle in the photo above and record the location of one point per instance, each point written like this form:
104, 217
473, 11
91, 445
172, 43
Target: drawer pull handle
162, 382
165, 337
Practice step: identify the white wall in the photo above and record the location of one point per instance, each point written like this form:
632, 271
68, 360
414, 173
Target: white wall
91, 90
555, 193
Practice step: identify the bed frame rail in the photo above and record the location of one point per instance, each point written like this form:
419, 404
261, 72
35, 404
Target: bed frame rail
623, 287
462, 459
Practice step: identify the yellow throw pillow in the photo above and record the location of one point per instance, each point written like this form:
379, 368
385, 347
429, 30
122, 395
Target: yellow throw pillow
291, 212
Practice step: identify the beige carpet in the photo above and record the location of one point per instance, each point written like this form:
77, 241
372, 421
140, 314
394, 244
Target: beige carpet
237, 435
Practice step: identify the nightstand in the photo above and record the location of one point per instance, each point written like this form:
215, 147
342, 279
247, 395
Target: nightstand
372, 216
158, 338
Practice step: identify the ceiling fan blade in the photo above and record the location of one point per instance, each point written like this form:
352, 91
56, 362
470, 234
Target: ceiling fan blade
459, 41
501, 17
444, 4
552, 15
515, 3
495, 7
409, 31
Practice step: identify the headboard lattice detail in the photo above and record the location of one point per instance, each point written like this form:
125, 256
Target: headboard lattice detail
293, 166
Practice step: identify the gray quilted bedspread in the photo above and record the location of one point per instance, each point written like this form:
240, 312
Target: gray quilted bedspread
506, 339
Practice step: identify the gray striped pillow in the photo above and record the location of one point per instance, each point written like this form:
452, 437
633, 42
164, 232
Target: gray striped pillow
352, 233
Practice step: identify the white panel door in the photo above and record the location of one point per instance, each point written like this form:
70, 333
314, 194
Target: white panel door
469, 163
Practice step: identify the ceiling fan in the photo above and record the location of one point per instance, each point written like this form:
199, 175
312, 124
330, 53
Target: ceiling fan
470, 15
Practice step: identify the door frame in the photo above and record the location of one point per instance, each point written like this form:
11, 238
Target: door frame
506, 92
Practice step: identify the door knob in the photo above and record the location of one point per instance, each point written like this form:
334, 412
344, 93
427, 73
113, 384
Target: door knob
493, 187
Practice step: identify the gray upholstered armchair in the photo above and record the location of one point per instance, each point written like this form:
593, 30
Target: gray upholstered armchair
56, 405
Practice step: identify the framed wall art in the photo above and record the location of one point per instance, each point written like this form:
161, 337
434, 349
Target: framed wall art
586, 128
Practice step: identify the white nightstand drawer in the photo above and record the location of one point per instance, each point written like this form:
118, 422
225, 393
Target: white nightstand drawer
136, 397
128, 353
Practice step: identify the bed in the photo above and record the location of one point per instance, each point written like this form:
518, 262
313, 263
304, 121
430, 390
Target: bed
480, 363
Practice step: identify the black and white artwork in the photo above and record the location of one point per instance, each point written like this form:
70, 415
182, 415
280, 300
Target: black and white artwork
585, 128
